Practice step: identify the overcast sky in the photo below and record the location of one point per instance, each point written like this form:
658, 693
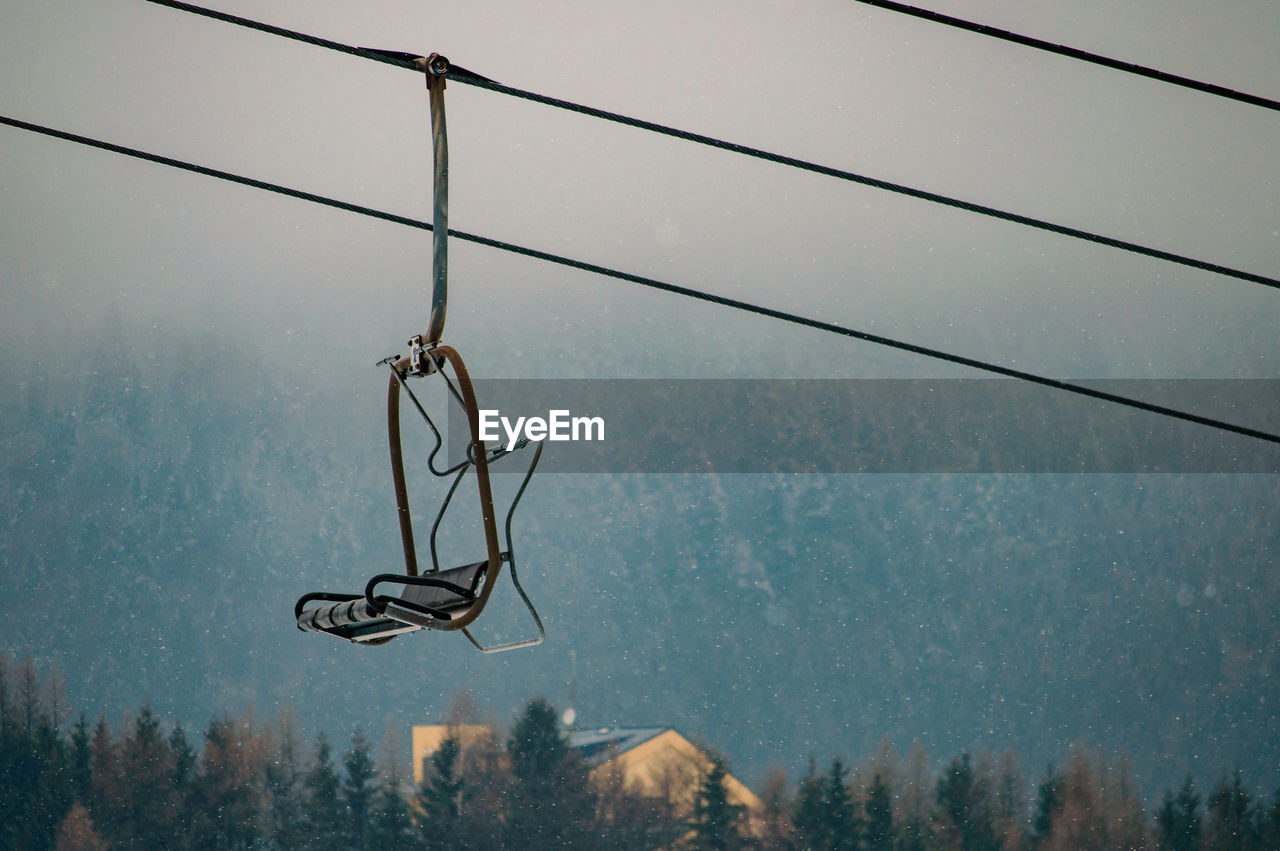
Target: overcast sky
88, 233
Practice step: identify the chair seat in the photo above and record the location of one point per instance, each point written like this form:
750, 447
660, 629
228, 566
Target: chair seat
422, 602
435, 597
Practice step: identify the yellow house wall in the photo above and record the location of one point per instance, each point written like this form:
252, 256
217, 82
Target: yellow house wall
427, 740
670, 764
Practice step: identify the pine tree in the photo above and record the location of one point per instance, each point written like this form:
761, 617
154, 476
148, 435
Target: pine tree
390, 820
915, 824
148, 800
324, 824
468, 792
184, 759
231, 795
390, 825
441, 795
81, 761
844, 826
1230, 824
963, 807
809, 819
18, 760
54, 787
1178, 819
54, 691
537, 748
1048, 805
1009, 803
9, 777
550, 805
36, 787
715, 818
286, 803
7, 712
1267, 821
184, 773
105, 781
878, 833
28, 703
774, 821
358, 788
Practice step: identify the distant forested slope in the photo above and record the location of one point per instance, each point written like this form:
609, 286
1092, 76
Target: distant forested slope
165, 498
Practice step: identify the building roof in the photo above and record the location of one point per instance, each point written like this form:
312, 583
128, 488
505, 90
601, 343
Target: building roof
597, 746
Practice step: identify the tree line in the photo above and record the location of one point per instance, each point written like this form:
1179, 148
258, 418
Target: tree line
76, 786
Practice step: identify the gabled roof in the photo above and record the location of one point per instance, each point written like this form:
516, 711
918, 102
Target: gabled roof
597, 746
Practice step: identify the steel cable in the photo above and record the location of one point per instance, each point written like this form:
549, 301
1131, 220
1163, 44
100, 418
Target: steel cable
472, 79
653, 283
1075, 53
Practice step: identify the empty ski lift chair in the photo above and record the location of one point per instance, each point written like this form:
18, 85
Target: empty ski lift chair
450, 599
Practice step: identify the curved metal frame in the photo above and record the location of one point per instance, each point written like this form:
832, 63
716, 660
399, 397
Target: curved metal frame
439, 356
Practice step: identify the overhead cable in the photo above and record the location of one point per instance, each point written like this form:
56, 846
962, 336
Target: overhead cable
1076, 53
472, 79
653, 283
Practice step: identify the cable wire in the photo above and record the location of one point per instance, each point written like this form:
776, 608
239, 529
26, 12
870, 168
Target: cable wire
363, 53
1075, 53
469, 78
653, 283
211, 172
876, 183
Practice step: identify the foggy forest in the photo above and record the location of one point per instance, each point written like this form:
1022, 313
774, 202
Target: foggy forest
253, 783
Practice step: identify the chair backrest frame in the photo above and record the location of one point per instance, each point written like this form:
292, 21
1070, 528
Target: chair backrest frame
440, 356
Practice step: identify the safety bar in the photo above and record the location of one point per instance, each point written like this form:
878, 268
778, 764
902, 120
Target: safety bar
510, 557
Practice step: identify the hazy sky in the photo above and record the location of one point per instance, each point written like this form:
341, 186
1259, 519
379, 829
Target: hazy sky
86, 232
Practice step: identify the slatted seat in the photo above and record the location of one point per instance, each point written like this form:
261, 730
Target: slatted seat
423, 602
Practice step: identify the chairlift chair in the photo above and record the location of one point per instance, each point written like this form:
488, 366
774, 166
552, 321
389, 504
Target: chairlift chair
450, 599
